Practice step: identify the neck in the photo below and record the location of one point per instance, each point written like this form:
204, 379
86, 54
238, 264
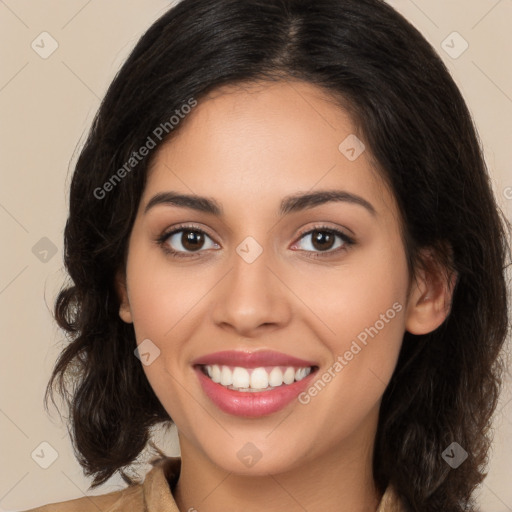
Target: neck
339, 480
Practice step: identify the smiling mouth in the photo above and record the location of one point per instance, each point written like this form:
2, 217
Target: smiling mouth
264, 378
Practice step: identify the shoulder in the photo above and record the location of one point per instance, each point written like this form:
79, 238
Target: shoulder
392, 502
130, 498
153, 495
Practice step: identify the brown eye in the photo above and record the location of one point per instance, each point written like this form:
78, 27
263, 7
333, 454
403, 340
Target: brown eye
192, 240
184, 241
322, 240
325, 240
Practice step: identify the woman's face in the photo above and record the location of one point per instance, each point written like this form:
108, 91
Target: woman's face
255, 276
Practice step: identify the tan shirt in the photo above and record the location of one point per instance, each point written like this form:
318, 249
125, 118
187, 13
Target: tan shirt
155, 495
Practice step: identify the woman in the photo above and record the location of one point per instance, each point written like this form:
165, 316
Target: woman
282, 238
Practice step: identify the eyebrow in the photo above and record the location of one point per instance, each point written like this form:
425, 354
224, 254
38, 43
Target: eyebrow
290, 204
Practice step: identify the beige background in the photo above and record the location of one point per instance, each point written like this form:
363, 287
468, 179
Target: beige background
46, 106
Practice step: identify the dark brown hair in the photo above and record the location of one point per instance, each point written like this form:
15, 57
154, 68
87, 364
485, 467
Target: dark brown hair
416, 125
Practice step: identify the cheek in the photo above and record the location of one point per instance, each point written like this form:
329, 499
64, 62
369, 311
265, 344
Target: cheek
166, 308
363, 307
162, 296
368, 290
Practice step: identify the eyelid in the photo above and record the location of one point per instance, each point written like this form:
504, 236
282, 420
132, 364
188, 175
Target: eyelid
324, 227
347, 240
183, 227
167, 233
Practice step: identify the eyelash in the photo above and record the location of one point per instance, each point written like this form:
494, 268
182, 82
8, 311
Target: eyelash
162, 241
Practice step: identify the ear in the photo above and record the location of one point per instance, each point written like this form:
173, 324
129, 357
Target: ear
430, 296
125, 311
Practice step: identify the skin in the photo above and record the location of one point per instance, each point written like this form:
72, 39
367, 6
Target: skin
248, 148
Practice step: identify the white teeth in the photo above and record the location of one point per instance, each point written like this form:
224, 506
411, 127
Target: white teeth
215, 376
276, 377
226, 376
259, 379
301, 373
241, 377
255, 379
289, 375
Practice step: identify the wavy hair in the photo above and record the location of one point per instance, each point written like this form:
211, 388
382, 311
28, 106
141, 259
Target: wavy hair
421, 135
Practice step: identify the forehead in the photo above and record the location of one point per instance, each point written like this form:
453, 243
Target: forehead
255, 143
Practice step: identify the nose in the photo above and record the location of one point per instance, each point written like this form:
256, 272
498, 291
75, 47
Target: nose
252, 298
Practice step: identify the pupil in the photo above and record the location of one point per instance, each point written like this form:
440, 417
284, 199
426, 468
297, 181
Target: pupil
323, 239
192, 240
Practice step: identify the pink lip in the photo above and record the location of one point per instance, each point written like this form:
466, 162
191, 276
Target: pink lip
251, 404
252, 359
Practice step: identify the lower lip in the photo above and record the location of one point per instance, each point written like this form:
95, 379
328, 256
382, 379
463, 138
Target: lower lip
251, 404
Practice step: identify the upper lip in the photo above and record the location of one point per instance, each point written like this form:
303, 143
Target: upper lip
252, 359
